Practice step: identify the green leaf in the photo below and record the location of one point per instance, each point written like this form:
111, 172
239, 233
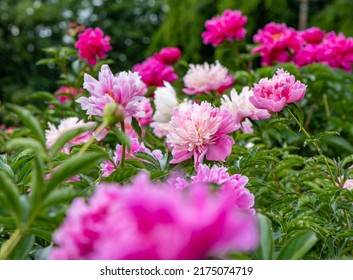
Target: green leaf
297, 246
37, 181
122, 137
23, 248
265, 249
42, 96
12, 195
58, 196
28, 120
148, 157
73, 166
66, 137
122, 175
4, 166
297, 112
135, 124
27, 143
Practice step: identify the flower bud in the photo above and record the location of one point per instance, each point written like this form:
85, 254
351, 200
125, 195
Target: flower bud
113, 113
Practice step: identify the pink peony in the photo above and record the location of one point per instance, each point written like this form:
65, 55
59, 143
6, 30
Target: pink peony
125, 88
168, 55
108, 167
200, 130
66, 93
240, 106
231, 185
146, 108
277, 42
230, 25
207, 78
53, 134
155, 72
275, 93
92, 44
308, 54
313, 35
147, 220
337, 51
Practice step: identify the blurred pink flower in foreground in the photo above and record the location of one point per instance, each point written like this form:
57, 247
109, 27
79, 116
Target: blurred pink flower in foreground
52, 134
92, 44
125, 88
206, 78
276, 42
230, 25
168, 55
108, 167
147, 220
154, 72
200, 130
273, 94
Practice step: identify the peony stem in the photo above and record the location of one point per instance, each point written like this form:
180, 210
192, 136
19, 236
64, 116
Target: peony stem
93, 137
11, 244
123, 148
314, 143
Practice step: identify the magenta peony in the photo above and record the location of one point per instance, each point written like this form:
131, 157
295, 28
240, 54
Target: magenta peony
168, 55
230, 26
92, 44
147, 220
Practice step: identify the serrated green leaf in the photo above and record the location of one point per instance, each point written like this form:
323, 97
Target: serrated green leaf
73, 166
28, 120
265, 249
297, 246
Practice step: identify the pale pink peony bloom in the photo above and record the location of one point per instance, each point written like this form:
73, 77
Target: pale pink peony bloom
240, 106
165, 101
246, 126
66, 93
276, 43
53, 133
273, 94
108, 167
154, 72
146, 108
168, 55
146, 220
230, 26
125, 88
206, 78
231, 185
337, 51
92, 44
200, 130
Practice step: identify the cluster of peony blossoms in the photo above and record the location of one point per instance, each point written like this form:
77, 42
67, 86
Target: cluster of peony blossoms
147, 220
280, 43
92, 44
156, 70
229, 26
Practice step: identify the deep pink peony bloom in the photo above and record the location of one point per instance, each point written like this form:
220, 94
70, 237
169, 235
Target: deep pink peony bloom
108, 167
230, 26
273, 94
200, 130
168, 55
53, 134
147, 220
63, 93
206, 78
231, 185
146, 108
276, 43
240, 106
92, 44
337, 51
154, 73
125, 88
313, 35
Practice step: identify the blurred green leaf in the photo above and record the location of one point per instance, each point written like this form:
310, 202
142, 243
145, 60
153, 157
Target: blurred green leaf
265, 249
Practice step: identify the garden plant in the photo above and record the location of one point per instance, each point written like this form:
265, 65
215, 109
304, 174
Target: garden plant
248, 156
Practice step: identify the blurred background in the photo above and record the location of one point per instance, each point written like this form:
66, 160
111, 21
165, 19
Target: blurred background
137, 28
